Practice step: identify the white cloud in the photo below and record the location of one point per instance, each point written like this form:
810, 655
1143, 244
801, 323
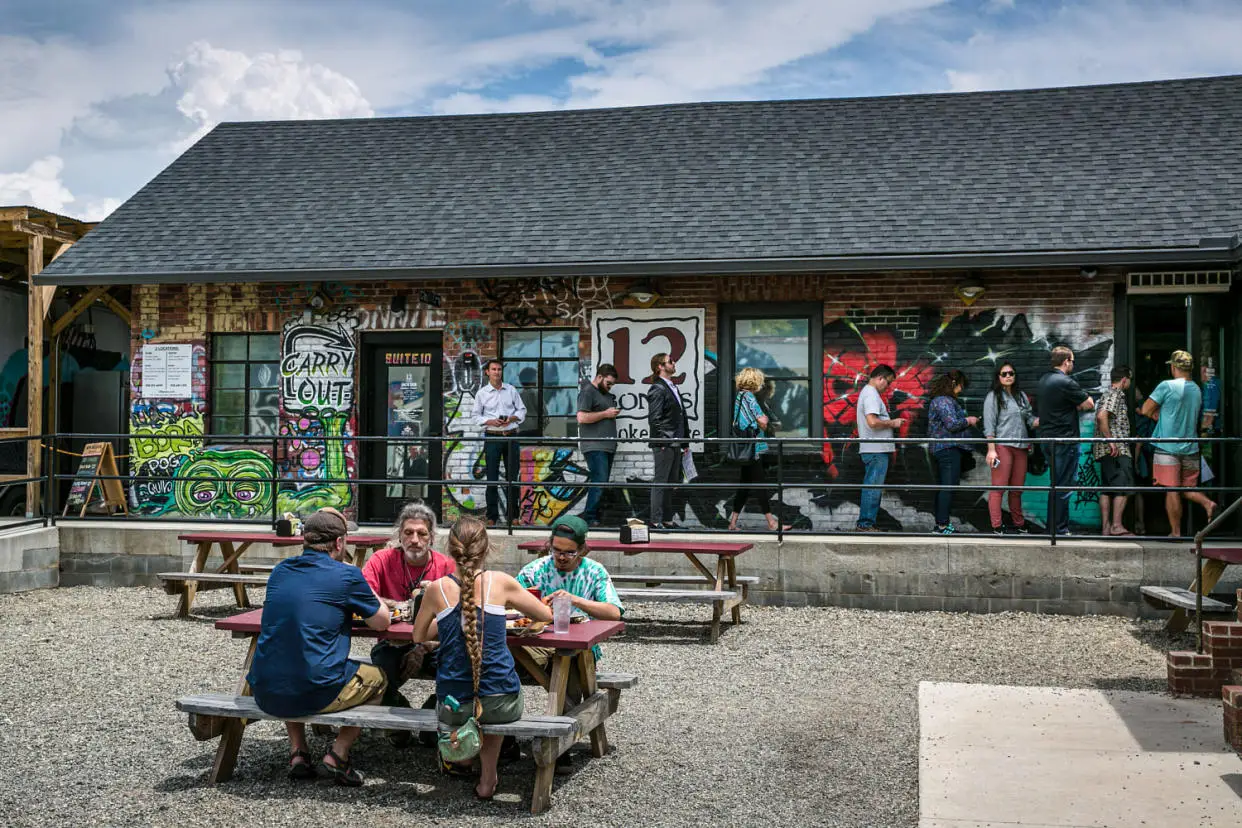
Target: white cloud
39, 185
98, 210
223, 85
1107, 41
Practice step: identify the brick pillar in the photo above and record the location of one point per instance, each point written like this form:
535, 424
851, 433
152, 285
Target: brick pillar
1222, 640
1232, 698
1192, 674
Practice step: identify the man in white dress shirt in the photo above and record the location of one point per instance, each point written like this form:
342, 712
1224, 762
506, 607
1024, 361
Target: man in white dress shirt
499, 411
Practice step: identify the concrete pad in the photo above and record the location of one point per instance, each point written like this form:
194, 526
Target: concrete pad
1037, 756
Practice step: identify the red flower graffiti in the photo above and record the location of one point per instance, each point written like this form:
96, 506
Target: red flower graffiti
845, 373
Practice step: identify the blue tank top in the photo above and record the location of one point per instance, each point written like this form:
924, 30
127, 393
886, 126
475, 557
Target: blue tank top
497, 676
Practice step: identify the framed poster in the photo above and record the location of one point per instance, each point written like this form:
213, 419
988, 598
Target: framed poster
167, 371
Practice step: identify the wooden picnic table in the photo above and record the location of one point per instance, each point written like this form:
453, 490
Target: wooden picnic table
233, 545
725, 591
1216, 559
577, 642
588, 716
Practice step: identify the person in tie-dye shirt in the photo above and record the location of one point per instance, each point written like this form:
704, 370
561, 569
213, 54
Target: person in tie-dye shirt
566, 570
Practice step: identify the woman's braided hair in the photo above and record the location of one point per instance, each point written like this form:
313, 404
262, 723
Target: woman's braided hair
468, 546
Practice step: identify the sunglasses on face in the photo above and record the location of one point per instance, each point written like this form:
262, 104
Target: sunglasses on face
1007, 374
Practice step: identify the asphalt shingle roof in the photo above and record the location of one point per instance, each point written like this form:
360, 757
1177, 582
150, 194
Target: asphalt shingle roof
1127, 166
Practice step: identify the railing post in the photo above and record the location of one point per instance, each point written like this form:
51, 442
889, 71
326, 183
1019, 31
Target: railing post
510, 479
1054, 507
780, 491
275, 485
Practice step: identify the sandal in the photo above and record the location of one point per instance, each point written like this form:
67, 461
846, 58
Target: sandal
304, 769
453, 769
342, 773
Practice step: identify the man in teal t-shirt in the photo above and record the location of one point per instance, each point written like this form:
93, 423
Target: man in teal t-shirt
1175, 405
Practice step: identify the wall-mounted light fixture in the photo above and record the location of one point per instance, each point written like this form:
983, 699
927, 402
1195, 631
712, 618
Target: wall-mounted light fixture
970, 289
1088, 272
642, 295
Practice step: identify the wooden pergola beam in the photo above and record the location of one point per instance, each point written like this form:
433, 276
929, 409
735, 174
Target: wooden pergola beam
79, 306
42, 231
116, 307
34, 368
14, 213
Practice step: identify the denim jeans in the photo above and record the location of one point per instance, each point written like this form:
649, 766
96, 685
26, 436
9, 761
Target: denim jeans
949, 474
495, 452
599, 470
875, 469
1063, 459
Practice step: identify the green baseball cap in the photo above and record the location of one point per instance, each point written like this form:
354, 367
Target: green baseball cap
570, 526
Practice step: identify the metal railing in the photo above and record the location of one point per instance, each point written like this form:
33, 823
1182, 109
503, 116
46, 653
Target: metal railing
797, 464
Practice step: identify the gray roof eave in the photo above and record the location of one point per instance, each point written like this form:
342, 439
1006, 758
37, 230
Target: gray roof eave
1209, 252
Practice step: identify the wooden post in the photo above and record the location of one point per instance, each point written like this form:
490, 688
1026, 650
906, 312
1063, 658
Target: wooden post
34, 368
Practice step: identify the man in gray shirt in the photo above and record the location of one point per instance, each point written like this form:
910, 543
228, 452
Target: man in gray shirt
874, 424
597, 431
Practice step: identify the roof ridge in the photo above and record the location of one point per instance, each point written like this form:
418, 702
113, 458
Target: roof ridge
748, 102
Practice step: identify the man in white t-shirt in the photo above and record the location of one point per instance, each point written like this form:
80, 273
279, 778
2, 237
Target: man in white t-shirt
875, 433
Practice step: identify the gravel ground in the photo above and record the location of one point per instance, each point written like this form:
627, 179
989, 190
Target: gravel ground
800, 716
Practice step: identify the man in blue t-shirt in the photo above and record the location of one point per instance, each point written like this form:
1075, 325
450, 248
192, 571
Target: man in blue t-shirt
1175, 405
301, 661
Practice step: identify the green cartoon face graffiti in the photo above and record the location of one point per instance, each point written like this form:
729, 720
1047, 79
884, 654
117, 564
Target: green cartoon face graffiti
247, 491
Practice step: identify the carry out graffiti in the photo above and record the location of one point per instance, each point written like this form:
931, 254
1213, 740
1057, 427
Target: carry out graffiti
317, 364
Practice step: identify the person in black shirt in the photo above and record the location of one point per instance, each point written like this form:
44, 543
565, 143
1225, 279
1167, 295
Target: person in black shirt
1060, 399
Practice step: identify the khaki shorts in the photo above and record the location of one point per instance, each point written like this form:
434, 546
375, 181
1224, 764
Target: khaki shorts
368, 683
1175, 469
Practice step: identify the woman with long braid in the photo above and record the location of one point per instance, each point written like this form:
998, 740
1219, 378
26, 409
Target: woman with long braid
475, 666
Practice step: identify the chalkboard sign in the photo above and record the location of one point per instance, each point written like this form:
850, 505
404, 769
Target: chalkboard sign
97, 459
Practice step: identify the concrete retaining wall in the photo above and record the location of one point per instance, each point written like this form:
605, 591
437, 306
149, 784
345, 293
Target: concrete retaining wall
29, 559
958, 574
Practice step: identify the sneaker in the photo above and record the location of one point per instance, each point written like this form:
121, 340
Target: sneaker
1012, 530
1022, 529
947, 529
999, 530
864, 529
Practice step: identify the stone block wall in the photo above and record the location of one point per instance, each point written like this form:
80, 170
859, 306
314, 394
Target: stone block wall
29, 559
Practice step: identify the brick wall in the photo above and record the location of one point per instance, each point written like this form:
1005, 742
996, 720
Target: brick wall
913, 321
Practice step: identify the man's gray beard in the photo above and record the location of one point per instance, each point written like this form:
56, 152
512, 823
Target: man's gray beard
407, 554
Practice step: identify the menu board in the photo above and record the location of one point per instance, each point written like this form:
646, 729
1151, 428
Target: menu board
167, 371
97, 459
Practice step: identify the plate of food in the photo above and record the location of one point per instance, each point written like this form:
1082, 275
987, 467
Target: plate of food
524, 626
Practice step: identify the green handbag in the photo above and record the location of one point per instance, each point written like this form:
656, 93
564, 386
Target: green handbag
462, 743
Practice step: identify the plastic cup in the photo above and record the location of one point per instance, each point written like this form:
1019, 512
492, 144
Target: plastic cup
561, 609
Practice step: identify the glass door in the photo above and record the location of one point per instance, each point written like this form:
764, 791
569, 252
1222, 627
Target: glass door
404, 397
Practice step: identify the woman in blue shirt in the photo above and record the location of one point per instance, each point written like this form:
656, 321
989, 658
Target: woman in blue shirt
474, 664
748, 415
947, 423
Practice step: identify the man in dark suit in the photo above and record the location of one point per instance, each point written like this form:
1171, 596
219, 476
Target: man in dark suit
666, 418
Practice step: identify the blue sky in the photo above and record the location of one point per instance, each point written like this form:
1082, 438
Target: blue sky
97, 97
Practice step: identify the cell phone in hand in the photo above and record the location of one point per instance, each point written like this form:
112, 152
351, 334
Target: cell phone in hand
996, 463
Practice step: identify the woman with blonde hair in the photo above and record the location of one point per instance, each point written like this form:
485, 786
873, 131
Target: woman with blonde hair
749, 416
475, 665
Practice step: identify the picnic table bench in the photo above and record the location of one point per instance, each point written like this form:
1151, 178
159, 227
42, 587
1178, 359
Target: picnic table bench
226, 716
723, 588
234, 574
1216, 559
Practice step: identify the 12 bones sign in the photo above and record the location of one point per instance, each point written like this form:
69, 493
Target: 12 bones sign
628, 339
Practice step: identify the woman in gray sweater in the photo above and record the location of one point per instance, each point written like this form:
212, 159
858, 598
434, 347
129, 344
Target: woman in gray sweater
1007, 414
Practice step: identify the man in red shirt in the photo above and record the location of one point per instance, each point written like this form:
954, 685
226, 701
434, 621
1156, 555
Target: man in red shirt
399, 573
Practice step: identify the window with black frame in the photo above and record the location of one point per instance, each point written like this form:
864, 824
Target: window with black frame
781, 349
245, 384
543, 366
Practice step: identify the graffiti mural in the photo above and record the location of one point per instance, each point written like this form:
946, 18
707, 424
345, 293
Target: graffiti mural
540, 301
165, 434
318, 381
295, 298
558, 485
386, 319
974, 344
